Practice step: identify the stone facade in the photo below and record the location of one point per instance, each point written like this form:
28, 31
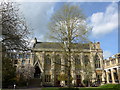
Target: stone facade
49, 62
47, 53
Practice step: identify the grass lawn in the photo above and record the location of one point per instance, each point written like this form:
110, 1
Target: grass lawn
90, 88
103, 87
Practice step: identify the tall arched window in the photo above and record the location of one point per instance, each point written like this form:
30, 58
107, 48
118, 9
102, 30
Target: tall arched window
86, 60
57, 62
77, 62
97, 61
66, 63
47, 62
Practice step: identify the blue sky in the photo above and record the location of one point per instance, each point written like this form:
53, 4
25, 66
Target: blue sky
102, 16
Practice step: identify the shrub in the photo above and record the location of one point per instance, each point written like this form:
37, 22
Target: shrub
8, 72
87, 82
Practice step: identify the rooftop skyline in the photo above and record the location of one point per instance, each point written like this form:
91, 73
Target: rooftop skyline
102, 16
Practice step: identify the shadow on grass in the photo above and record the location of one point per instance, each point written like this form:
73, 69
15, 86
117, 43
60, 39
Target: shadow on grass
90, 88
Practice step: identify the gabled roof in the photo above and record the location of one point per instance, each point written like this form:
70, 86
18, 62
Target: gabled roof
57, 45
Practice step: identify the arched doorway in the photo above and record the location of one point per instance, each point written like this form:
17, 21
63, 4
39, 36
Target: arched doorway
78, 80
57, 83
37, 72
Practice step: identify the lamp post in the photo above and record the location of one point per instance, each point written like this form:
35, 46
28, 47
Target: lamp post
14, 86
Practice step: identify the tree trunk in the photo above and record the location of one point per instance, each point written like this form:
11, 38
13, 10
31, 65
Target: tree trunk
69, 67
69, 76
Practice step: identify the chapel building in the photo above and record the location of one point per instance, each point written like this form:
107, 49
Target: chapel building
49, 62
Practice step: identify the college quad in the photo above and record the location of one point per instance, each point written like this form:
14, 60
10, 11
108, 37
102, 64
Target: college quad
43, 56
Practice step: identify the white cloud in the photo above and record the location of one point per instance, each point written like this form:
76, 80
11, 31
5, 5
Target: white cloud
107, 54
105, 22
37, 15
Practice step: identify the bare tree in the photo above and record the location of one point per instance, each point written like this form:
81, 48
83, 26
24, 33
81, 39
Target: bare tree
14, 34
68, 26
14, 28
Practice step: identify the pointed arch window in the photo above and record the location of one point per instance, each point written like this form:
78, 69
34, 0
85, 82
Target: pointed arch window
86, 60
47, 59
57, 62
77, 62
47, 62
97, 61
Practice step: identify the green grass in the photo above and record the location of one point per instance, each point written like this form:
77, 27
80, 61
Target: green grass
110, 86
90, 88
103, 87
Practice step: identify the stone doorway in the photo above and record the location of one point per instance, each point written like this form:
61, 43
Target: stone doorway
37, 72
78, 80
57, 82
